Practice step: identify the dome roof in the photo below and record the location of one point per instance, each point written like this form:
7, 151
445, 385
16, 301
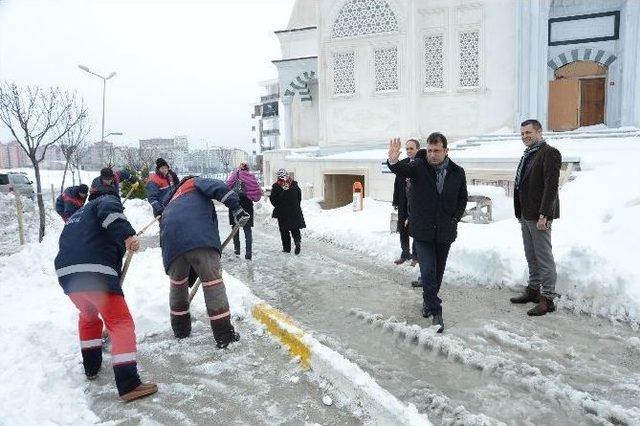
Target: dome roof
304, 14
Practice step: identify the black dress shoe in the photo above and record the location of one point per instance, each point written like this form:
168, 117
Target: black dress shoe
437, 320
426, 313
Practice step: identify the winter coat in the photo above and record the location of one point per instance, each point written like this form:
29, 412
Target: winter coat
69, 202
400, 197
92, 242
118, 176
249, 184
434, 217
538, 192
286, 205
158, 187
189, 220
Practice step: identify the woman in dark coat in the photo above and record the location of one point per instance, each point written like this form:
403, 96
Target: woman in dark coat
286, 197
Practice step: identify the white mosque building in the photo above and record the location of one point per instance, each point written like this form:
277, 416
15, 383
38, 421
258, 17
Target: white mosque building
355, 73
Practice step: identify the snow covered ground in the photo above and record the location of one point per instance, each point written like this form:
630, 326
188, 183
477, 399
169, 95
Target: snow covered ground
42, 375
594, 243
40, 367
595, 239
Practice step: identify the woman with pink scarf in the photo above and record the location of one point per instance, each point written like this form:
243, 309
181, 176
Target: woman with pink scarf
246, 185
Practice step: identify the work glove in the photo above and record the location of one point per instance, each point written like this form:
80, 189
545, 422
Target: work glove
241, 217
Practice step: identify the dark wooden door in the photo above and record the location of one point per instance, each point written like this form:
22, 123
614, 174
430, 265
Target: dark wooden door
591, 101
564, 104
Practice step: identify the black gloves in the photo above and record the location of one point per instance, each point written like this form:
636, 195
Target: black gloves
241, 217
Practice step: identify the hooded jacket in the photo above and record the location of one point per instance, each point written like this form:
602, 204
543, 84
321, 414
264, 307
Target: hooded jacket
92, 242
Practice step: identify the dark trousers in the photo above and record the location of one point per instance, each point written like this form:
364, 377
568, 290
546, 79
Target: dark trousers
286, 234
248, 240
404, 245
206, 263
432, 258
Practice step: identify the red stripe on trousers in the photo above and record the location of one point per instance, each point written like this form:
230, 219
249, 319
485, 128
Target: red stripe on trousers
117, 319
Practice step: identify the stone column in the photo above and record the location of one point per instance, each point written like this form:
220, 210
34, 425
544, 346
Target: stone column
630, 110
532, 51
287, 140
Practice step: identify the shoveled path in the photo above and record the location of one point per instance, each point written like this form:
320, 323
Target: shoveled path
493, 364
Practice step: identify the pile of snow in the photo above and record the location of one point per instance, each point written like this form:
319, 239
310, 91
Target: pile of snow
9, 235
140, 214
595, 239
40, 365
501, 205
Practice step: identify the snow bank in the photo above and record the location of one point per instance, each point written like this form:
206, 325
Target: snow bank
9, 236
40, 367
40, 364
595, 239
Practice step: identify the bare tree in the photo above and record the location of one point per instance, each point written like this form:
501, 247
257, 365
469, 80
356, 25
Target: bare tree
76, 161
223, 156
37, 119
73, 140
137, 158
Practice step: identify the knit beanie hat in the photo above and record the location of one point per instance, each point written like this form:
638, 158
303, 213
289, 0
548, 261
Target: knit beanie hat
83, 189
106, 173
282, 174
101, 191
161, 162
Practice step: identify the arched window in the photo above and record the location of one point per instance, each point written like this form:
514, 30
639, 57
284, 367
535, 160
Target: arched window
364, 17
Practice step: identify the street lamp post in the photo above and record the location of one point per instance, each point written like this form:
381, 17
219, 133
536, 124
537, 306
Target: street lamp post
104, 90
111, 151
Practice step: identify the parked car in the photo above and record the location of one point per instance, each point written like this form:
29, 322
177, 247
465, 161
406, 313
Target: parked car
16, 182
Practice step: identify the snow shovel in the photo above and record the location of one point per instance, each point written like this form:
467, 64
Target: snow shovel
233, 232
125, 268
127, 261
133, 188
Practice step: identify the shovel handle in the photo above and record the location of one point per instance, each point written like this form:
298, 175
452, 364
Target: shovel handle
133, 188
155, 219
233, 232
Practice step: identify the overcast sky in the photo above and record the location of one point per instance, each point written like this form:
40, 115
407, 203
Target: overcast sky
185, 67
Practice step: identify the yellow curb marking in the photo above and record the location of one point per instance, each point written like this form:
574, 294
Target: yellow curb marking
285, 329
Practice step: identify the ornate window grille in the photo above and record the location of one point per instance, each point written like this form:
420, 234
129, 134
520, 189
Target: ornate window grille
386, 69
469, 59
434, 62
344, 82
364, 17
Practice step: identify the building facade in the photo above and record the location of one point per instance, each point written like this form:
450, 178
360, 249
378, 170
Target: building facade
12, 156
354, 73
174, 150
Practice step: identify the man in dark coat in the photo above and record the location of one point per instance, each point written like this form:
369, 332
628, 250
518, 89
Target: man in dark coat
190, 240
159, 184
286, 198
437, 201
536, 205
88, 266
71, 200
109, 179
400, 197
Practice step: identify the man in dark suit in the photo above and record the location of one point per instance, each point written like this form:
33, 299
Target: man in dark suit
536, 205
401, 187
437, 201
